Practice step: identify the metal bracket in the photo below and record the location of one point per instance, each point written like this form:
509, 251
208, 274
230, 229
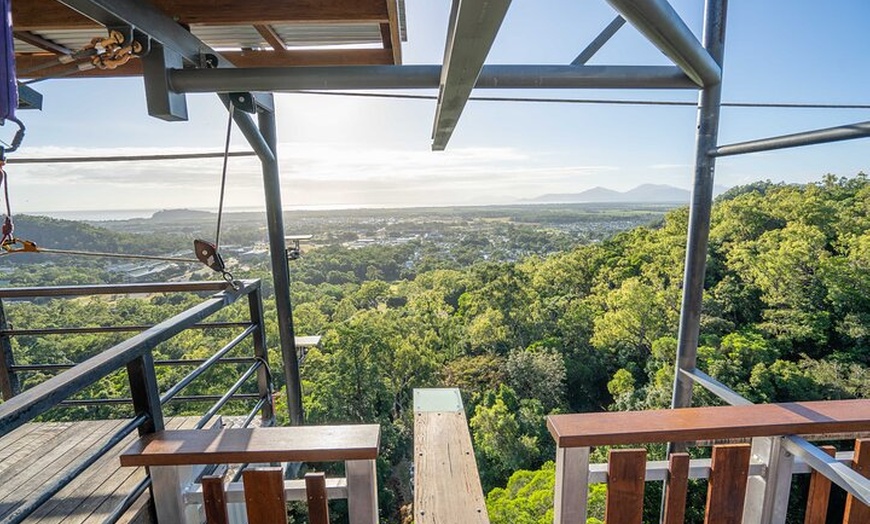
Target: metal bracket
250, 102
29, 98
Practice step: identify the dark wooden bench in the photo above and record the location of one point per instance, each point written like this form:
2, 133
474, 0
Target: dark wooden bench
176, 458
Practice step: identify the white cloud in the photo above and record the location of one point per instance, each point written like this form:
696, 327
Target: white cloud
312, 174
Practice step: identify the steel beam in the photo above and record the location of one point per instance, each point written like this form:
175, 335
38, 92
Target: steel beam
658, 21
162, 103
171, 45
715, 387
840, 474
280, 269
699, 212
8, 377
149, 20
263, 139
426, 77
808, 138
599, 41
42, 397
472, 30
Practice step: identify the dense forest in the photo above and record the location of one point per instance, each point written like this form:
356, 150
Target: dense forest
786, 317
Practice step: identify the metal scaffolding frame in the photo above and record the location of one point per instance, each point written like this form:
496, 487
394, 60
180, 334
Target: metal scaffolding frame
180, 63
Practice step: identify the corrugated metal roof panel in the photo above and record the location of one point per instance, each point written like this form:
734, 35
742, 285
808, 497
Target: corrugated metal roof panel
230, 36
298, 35
74, 39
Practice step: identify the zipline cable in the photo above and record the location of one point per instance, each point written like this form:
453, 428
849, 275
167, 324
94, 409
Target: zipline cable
220, 214
601, 101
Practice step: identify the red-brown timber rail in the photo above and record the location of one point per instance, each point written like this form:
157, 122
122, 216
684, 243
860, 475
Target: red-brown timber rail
746, 483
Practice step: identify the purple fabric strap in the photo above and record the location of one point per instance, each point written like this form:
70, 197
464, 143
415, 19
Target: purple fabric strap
8, 84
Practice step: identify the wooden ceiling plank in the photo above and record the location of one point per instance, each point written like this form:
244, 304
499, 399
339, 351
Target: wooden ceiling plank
395, 36
36, 15
274, 39
312, 57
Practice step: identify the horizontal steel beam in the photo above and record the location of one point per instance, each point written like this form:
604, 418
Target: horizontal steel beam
426, 77
808, 138
474, 25
658, 21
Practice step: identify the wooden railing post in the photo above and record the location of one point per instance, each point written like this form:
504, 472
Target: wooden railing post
264, 387
626, 476
856, 512
8, 378
727, 484
819, 494
572, 485
767, 495
674, 504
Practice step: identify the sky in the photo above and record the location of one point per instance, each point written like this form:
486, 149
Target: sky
351, 151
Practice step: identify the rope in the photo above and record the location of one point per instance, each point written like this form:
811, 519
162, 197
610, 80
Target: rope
220, 214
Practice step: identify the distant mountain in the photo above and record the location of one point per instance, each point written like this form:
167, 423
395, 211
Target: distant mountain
643, 193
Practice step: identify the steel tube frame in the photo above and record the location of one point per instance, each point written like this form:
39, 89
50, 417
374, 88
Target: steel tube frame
108, 329
662, 26
831, 467
39, 399
596, 44
205, 366
169, 363
699, 212
807, 138
8, 376
230, 393
263, 140
280, 268
426, 77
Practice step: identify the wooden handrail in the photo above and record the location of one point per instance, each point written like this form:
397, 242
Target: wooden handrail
244, 445
708, 423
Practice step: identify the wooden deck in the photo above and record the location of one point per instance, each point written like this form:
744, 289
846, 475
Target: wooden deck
32, 456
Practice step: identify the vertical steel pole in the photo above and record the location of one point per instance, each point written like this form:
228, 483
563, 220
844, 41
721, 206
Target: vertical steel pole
146, 396
699, 214
8, 378
280, 269
255, 304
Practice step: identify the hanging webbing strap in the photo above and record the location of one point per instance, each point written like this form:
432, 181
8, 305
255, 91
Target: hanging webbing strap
8, 84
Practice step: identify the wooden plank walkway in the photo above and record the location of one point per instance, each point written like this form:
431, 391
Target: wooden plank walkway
447, 484
33, 455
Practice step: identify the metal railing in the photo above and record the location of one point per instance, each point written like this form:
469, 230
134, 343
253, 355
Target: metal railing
136, 356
